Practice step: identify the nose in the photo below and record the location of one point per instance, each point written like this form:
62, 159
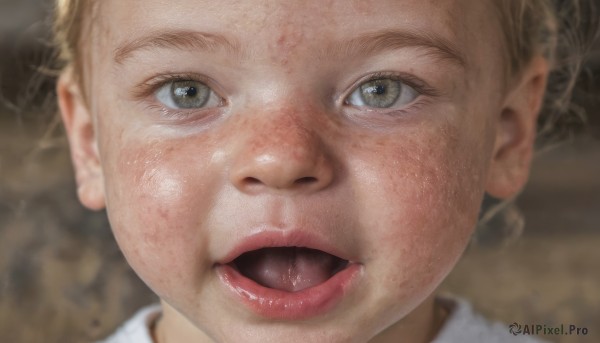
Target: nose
281, 154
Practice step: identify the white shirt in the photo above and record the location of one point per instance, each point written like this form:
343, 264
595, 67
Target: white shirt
462, 326
137, 328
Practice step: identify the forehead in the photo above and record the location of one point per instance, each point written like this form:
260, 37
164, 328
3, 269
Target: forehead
265, 14
284, 26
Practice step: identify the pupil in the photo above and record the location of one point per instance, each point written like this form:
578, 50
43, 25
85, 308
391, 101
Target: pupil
185, 92
379, 89
191, 91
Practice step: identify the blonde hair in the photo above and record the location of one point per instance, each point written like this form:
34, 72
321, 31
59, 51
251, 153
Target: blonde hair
563, 32
69, 26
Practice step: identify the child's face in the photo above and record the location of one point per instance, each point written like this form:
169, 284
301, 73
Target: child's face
287, 140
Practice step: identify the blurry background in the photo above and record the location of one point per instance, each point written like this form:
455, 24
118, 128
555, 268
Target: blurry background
63, 279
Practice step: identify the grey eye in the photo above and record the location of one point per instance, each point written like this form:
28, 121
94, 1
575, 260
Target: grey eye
382, 93
186, 95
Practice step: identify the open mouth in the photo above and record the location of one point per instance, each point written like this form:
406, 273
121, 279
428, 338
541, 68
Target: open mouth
289, 276
290, 269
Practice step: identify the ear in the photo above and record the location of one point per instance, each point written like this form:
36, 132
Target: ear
82, 141
516, 131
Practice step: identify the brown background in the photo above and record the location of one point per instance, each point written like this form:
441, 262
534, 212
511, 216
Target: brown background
63, 279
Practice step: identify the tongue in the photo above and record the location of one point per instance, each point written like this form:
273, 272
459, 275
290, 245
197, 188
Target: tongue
288, 269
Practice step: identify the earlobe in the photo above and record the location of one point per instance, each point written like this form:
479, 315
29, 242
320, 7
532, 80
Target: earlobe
79, 126
516, 131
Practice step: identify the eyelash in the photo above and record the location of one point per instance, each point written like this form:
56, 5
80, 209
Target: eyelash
151, 86
410, 80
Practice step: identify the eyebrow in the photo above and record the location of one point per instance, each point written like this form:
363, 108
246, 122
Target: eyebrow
388, 40
364, 45
177, 39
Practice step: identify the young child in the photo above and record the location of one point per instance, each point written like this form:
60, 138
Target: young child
281, 171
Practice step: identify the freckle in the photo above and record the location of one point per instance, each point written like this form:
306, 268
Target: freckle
281, 40
163, 213
289, 40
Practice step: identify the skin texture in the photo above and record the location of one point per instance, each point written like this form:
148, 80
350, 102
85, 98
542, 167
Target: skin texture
399, 190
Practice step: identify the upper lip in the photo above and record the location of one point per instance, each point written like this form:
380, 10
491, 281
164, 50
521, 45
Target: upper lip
283, 238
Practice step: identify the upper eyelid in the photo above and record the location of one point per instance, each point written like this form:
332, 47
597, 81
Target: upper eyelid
153, 84
410, 80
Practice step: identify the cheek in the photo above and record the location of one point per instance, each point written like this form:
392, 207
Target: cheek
156, 200
422, 196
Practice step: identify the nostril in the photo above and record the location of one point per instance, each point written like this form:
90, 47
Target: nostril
305, 180
256, 182
252, 181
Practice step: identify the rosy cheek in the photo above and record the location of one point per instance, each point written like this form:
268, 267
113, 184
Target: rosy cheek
425, 200
156, 208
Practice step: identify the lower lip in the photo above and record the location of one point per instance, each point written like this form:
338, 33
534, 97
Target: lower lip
276, 304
